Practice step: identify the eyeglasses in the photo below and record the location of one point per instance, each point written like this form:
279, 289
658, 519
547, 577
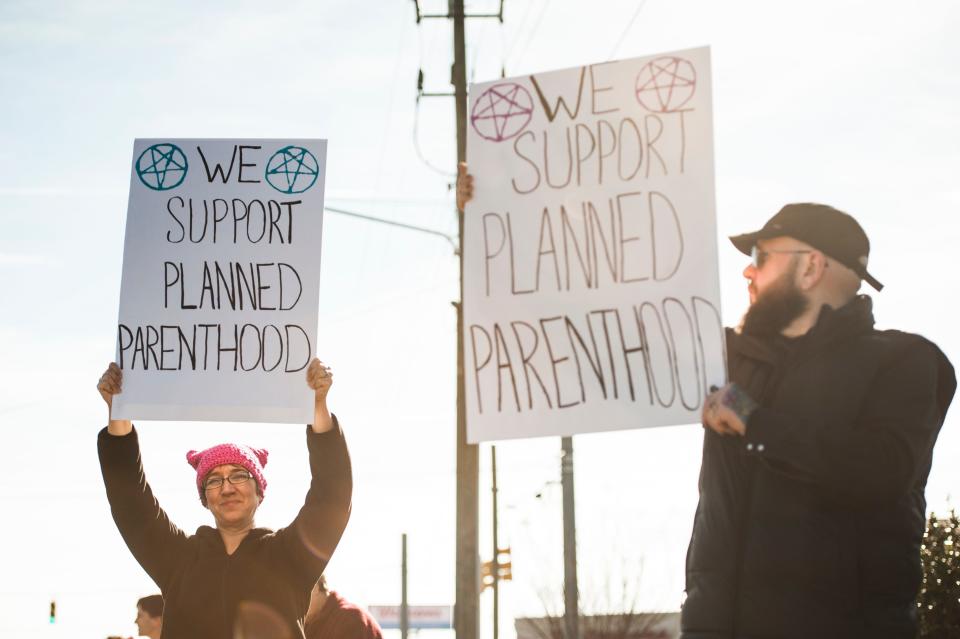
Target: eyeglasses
235, 478
760, 256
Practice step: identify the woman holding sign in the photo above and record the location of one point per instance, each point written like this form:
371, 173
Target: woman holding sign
232, 578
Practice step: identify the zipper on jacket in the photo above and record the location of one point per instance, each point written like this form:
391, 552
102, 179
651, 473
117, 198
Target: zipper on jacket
741, 545
772, 390
227, 623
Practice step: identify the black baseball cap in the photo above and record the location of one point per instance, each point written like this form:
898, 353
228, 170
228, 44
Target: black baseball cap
823, 227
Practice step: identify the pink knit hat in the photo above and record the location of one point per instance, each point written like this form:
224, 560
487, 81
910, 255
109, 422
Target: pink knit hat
252, 459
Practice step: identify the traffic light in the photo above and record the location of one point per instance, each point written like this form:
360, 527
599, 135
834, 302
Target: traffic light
504, 561
504, 569
53, 611
486, 575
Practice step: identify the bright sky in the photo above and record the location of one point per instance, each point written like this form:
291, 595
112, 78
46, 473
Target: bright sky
848, 102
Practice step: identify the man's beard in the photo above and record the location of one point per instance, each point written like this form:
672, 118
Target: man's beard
776, 308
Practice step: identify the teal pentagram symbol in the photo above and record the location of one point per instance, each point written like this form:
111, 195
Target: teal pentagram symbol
292, 169
162, 167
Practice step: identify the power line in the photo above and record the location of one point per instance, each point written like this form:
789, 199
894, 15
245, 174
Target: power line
393, 95
627, 29
533, 31
478, 45
416, 115
411, 227
16, 407
516, 38
416, 145
386, 197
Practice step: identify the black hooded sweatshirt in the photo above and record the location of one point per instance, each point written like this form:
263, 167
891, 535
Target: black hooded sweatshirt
263, 588
811, 524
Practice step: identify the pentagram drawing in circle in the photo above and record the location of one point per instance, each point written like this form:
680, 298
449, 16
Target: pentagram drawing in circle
162, 167
292, 169
502, 111
666, 84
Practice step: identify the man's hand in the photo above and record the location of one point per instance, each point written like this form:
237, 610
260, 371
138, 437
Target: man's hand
320, 379
110, 384
464, 186
727, 410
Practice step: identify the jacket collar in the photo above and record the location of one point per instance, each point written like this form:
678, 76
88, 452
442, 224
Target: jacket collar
212, 536
854, 318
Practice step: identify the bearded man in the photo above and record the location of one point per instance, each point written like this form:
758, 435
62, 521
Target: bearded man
816, 455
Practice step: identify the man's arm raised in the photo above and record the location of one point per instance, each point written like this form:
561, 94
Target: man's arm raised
320, 379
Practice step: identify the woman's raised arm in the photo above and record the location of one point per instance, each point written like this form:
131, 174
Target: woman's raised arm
110, 384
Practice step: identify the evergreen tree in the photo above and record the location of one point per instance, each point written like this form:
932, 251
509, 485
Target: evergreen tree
939, 598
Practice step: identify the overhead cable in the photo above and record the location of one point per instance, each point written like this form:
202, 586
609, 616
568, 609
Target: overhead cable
626, 30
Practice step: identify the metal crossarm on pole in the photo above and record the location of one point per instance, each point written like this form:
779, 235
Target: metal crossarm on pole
452, 13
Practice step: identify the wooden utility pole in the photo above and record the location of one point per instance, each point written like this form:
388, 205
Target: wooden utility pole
466, 614
467, 611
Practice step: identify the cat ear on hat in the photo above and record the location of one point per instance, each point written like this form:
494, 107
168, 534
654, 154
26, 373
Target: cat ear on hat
261, 454
194, 458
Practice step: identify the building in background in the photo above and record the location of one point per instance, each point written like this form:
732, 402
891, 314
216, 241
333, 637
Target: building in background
631, 625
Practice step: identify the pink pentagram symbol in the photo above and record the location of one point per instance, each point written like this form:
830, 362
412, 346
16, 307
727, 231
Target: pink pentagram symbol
666, 84
502, 111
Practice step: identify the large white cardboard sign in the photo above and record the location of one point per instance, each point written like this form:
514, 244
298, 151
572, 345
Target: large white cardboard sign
221, 270
591, 289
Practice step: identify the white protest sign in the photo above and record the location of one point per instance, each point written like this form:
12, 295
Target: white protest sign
591, 288
221, 272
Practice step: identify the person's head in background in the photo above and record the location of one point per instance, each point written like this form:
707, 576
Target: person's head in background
318, 596
150, 616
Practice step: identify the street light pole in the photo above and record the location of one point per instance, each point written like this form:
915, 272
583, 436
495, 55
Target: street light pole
495, 564
404, 607
570, 591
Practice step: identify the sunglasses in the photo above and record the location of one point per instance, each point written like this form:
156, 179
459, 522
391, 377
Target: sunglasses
759, 256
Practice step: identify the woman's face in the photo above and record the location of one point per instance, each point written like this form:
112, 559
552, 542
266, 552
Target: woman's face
233, 505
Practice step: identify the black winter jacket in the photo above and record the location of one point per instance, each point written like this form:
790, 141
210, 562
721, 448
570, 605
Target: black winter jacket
810, 526
263, 588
